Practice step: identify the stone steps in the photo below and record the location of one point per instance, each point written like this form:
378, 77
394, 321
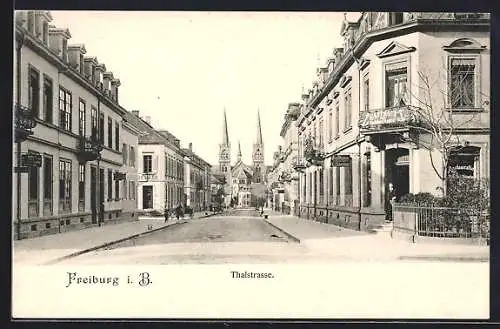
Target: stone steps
384, 228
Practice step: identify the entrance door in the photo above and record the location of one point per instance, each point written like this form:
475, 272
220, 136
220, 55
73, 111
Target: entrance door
397, 177
93, 194
147, 197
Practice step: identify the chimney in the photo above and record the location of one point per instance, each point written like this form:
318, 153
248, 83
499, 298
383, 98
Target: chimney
147, 119
75, 56
191, 147
58, 41
136, 113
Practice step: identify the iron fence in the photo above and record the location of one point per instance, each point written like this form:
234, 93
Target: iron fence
441, 221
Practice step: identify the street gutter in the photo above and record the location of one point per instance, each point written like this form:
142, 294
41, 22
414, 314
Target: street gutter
290, 236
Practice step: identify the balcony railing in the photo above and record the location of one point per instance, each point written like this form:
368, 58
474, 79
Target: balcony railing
25, 122
89, 149
400, 117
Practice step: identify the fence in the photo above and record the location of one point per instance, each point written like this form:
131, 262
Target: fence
441, 221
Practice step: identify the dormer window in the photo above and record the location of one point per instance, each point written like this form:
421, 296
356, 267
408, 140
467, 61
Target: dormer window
65, 50
81, 64
31, 22
395, 18
45, 33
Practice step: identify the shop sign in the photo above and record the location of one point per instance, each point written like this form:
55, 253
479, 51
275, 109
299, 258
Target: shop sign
32, 159
341, 161
385, 117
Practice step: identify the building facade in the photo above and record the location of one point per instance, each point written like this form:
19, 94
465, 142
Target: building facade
69, 167
160, 165
197, 174
368, 127
283, 175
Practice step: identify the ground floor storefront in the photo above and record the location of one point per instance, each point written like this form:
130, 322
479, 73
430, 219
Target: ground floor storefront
355, 186
62, 193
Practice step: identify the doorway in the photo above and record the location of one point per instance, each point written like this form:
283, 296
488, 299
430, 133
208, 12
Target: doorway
147, 197
397, 177
93, 193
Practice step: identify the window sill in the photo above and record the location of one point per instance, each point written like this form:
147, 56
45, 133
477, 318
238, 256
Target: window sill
345, 131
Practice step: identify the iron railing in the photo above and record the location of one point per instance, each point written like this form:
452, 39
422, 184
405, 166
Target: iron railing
441, 221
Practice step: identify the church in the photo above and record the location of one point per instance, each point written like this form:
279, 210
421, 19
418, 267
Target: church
244, 184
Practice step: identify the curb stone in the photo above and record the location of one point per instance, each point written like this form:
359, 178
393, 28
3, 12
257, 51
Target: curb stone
107, 244
290, 236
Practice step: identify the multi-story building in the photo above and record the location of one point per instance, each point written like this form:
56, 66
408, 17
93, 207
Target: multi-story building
197, 175
284, 177
160, 165
69, 167
370, 120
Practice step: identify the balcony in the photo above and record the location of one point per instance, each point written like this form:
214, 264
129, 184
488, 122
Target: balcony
89, 149
312, 154
299, 164
25, 122
400, 118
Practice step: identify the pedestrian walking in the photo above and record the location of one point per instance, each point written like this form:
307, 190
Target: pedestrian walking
178, 211
166, 213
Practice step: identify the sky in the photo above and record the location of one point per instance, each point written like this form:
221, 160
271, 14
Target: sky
183, 68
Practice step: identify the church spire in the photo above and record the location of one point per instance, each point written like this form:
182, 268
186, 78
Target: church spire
259, 130
239, 151
225, 135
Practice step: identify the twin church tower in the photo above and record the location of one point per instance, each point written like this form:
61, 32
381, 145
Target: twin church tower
240, 171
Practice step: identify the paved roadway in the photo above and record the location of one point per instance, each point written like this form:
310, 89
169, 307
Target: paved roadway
234, 237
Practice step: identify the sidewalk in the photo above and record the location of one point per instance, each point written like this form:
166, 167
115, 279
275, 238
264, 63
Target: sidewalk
43, 249
335, 241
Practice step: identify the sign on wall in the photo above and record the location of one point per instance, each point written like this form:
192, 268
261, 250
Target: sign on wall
341, 161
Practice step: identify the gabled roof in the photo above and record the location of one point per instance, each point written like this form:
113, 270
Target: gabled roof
147, 134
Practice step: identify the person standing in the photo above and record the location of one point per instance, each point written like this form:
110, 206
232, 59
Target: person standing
166, 213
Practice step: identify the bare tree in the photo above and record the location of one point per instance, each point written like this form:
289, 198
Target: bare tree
433, 118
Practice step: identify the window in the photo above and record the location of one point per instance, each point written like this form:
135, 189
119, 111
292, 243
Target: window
31, 22
117, 136
336, 126
65, 109
147, 163
110, 133
321, 187
321, 132
47, 99
330, 126
462, 83
47, 185
81, 117
34, 91
366, 94
101, 128
337, 181
81, 187
465, 160
110, 184
125, 153
396, 87
331, 182
45, 35
348, 110
65, 180
132, 156
33, 192
65, 49
395, 18
124, 193
81, 64
348, 180
93, 118
315, 133
117, 190
368, 180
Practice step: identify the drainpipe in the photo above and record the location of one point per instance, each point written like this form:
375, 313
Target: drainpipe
98, 178
358, 137
20, 43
